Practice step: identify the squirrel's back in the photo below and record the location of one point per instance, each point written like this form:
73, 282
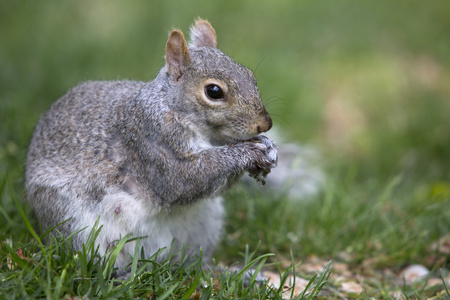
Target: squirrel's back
77, 129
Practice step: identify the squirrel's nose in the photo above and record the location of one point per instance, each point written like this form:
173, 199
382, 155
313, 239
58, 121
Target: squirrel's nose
264, 124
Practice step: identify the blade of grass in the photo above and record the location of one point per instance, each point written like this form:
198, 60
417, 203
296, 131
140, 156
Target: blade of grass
443, 281
293, 272
310, 283
134, 263
251, 263
192, 288
108, 270
169, 292
322, 280
15, 259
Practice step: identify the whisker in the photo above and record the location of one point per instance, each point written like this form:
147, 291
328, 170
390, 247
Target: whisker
273, 100
254, 71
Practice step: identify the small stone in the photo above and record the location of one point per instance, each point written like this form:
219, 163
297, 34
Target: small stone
351, 287
274, 281
414, 273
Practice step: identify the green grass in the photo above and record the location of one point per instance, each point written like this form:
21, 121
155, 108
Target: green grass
55, 271
367, 84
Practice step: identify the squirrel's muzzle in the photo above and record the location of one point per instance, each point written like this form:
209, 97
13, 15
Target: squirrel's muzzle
264, 123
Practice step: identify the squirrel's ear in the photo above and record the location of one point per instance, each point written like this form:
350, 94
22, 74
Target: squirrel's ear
177, 55
203, 35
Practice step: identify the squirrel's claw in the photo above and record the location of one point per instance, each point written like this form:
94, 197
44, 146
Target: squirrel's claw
259, 177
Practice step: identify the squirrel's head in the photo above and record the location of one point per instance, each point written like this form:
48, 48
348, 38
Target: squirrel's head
218, 96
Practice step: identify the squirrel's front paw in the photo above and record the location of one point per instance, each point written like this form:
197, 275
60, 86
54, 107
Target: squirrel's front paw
262, 168
271, 150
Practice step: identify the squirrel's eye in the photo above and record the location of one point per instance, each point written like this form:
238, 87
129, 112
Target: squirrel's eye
214, 92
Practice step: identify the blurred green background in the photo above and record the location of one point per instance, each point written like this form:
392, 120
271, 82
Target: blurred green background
366, 82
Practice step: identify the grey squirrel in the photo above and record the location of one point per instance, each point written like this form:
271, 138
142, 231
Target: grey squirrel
151, 158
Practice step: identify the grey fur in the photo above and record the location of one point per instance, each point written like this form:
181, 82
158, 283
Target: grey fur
150, 158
